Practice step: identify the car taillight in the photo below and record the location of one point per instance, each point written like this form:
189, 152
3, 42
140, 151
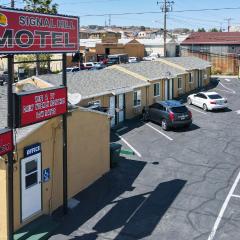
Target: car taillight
171, 116
190, 114
212, 102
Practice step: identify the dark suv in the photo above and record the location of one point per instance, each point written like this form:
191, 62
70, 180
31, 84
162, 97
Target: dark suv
169, 114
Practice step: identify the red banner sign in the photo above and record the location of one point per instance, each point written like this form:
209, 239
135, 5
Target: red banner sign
6, 141
29, 32
39, 106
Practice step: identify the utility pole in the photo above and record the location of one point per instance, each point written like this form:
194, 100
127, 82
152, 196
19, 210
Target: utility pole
229, 23
109, 20
166, 6
10, 180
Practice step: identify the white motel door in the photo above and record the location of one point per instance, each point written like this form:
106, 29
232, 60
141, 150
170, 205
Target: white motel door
166, 90
31, 190
121, 108
112, 110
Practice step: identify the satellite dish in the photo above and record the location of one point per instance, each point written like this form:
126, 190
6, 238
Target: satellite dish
74, 98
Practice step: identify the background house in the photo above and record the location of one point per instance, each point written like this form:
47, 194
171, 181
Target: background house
222, 49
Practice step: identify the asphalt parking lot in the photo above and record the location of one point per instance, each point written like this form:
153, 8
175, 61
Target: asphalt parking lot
179, 185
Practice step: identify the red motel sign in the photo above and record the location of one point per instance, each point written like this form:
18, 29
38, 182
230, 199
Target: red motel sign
29, 32
34, 107
6, 141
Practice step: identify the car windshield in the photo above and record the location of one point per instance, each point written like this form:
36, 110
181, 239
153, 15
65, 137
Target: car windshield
214, 96
181, 109
68, 69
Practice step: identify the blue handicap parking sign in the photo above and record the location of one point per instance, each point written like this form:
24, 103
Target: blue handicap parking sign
46, 175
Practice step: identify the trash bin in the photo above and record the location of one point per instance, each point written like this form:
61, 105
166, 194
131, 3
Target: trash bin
115, 149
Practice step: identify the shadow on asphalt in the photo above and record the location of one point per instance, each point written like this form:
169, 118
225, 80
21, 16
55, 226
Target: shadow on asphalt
222, 110
137, 216
193, 127
100, 194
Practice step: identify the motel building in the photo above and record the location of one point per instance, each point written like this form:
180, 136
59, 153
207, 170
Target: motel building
38, 163
104, 99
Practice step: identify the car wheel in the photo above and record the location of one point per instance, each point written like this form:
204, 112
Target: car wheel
189, 101
205, 107
164, 125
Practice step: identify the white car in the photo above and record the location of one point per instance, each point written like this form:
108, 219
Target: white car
149, 58
132, 59
207, 100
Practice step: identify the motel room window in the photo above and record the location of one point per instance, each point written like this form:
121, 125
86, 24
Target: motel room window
137, 98
156, 89
180, 83
191, 77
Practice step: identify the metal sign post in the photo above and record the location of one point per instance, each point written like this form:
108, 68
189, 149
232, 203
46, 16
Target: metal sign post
10, 154
64, 118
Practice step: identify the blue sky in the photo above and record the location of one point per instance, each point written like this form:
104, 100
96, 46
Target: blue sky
192, 20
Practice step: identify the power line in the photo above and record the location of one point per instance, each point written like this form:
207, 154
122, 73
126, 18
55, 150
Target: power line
157, 12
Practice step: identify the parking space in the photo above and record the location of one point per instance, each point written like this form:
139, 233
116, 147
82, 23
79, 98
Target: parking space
201, 167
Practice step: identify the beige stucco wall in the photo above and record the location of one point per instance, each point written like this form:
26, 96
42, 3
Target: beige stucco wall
88, 160
3, 200
132, 111
151, 98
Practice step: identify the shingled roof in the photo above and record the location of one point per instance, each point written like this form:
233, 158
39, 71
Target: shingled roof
97, 83
213, 38
153, 70
189, 63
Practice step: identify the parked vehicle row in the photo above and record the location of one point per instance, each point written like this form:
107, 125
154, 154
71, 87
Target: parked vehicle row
173, 114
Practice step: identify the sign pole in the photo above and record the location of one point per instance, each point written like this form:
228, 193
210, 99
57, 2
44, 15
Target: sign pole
64, 118
10, 154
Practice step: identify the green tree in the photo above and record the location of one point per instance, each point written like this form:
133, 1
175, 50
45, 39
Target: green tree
201, 30
213, 30
42, 6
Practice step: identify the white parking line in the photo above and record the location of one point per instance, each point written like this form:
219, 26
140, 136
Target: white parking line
166, 136
129, 145
197, 110
223, 90
228, 80
238, 112
236, 196
225, 204
229, 89
121, 129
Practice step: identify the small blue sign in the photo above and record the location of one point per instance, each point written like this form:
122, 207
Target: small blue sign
32, 150
46, 175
